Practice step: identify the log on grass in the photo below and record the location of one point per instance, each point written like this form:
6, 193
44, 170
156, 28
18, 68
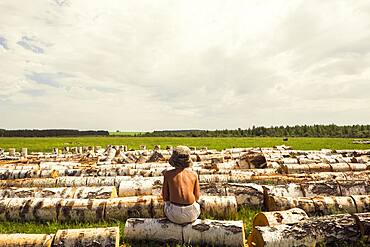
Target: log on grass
290, 216
35, 240
200, 232
30, 209
99, 237
158, 230
214, 232
330, 230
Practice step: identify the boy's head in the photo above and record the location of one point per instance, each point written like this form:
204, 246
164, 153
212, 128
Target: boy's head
180, 157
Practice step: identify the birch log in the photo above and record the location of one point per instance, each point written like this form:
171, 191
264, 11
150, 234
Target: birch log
363, 221
333, 205
30, 209
147, 229
25, 240
358, 166
291, 189
349, 188
218, 206
201, 232
81, 210
17, 174
362, 203
104, 192
72, 181
97, 237
340, 167
320, 167
279, 203
246, 194
330, 230
14, 192
213, 232
126, 207
321, 188
135, 188
290, 216
294, 168
211, 189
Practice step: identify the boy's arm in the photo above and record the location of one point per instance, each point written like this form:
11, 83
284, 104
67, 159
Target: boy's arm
196, 189
165, 190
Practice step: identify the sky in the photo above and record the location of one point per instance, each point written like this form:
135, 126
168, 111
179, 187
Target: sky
153, 65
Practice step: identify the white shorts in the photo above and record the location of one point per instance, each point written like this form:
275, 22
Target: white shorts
182, 214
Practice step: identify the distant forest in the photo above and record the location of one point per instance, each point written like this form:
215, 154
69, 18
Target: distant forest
51, 132
332, 130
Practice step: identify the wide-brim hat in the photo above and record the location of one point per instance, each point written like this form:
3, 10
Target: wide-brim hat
180, 157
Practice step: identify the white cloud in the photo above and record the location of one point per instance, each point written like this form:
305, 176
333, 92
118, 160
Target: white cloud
143, 65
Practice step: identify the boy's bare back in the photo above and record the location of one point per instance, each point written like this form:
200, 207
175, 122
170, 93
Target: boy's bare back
181, 186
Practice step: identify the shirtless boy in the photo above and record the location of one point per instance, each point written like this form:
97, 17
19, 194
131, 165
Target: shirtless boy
181, 188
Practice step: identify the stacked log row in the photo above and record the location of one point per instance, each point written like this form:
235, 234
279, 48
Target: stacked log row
200, 232
345, 229
60, 192
93, 210
234, 177
16, 174
322, 167
321, 205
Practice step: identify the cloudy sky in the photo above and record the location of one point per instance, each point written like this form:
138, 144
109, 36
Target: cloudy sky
144, 65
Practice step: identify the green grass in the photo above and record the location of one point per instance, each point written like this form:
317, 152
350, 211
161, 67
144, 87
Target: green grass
46, 144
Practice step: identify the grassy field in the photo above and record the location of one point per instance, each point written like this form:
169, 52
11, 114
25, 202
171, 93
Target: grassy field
46, 144
245, 214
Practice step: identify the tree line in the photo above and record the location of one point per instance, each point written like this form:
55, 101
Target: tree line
332, 130
51, 133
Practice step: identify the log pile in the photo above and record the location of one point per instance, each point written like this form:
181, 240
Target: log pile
92, 184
